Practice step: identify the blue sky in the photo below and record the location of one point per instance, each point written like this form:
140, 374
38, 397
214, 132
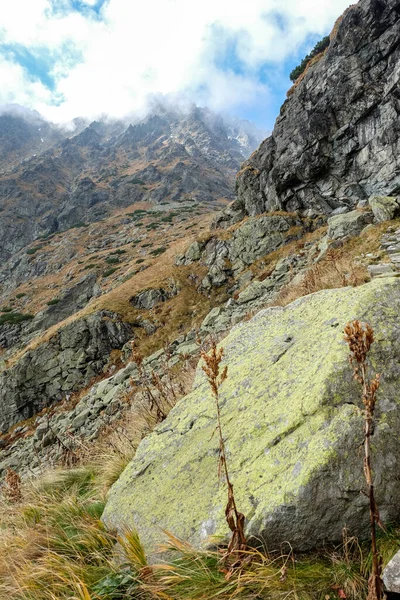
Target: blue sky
68, 58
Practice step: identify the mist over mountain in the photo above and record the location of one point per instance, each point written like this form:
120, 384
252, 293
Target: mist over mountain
53, 177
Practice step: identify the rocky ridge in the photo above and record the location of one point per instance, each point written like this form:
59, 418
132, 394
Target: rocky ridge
341, 119
86, 177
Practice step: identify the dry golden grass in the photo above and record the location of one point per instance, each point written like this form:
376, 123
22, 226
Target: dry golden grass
338, 268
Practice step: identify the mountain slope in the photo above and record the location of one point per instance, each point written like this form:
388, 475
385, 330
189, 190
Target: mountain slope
84, 178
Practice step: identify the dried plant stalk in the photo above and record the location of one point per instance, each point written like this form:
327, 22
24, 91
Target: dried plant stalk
12, 489
234, 518
359, 337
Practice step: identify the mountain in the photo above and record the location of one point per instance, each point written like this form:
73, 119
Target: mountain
105, 325
109, 165
24, 134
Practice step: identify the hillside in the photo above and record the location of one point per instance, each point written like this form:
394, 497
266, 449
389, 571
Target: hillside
130, 266
86, 177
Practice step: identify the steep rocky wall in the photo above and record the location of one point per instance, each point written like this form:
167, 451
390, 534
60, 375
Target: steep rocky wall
75, 354
337, 139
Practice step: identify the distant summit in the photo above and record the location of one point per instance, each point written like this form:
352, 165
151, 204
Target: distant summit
53, 178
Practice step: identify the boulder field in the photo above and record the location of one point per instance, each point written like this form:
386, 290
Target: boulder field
293, 428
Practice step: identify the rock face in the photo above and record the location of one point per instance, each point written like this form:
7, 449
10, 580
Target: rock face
292, 431
337, 140
75, 354
254, 238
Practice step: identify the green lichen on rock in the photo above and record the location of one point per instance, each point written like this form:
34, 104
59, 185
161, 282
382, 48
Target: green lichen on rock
385, 208
291, 426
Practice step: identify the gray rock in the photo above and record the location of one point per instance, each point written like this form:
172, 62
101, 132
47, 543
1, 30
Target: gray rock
148, 299
348, 225
80, 419
385, 208
33, 382
391, 575
381, 269
291, 430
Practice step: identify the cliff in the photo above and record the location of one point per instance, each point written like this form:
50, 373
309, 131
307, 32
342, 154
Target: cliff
336, 140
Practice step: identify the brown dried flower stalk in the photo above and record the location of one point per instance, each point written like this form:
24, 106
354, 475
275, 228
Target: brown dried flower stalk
359, 337
234, 518
12, 487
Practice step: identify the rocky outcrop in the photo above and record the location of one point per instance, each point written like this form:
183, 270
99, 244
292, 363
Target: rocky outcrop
385, 208
73, 356
148, 299
70, 301
254, 238
291, 427
349, 224
31, 448
337, 139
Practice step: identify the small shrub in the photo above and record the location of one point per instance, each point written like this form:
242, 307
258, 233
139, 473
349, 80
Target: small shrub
14, 318
79, 224
151, 226
118, 252
318, 48
20, 295
34, 250
112, 260
158, 251
6, 309
140, 260
109, 272
91, 266
53, 302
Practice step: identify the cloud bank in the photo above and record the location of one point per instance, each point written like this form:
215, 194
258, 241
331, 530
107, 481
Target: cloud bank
66, 58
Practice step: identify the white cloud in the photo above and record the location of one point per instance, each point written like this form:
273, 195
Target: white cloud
17, 88
137, 49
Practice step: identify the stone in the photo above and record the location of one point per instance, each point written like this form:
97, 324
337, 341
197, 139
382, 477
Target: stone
41, 430
253, 291
385, 208
291, 427
348, 225
33, 381
391, 575
80, 419
375, 270
148, 299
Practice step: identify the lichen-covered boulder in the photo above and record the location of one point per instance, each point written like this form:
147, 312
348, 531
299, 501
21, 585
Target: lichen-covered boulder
385, 208
349, 224
293, 431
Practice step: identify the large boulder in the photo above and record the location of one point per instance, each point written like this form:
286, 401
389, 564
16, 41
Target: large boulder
385, 208
292, 427
349, 224
391, 575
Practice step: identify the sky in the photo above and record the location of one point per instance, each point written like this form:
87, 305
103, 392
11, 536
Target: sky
90, 58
